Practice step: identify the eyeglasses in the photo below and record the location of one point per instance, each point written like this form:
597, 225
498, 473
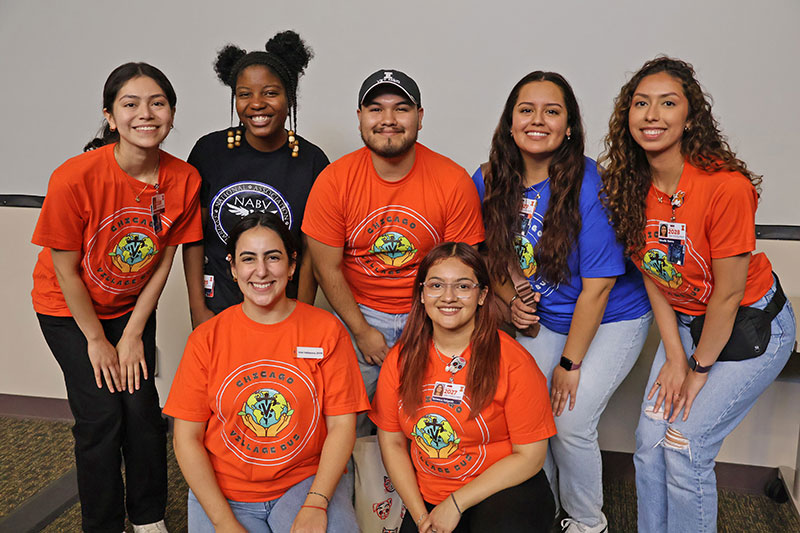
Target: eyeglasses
462, 289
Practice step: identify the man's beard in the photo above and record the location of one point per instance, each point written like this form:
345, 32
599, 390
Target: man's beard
391, 148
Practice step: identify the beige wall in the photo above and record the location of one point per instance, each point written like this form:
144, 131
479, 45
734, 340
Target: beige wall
767, 437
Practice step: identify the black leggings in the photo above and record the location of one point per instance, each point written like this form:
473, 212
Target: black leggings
525, 508
109, 427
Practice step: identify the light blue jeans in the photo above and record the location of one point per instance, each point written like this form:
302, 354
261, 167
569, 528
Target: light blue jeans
676, 485
573, 465
276, 516
391, 326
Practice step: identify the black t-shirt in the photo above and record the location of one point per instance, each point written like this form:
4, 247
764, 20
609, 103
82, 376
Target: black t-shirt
243, 180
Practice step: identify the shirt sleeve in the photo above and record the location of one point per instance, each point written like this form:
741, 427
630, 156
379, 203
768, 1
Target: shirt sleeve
464, 221
601, 254
188, 395
324, 217
385, 403
732, 218
188, 227
62, 220
527, 404
344, 388
480, 185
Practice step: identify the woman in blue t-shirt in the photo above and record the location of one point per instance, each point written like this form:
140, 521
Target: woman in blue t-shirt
544, 222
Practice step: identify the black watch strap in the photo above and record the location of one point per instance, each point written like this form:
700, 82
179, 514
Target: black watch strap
697, 367
567, 364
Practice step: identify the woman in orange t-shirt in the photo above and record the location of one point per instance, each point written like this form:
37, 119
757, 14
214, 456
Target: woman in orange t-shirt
472, 402
109, 225
667, 165
265, 401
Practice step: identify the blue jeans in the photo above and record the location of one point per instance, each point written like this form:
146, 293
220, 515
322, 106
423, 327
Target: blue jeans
391, 326
276, 516
573, 464
676, 485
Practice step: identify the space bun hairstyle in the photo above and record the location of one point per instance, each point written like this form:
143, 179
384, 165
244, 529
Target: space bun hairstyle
286, 56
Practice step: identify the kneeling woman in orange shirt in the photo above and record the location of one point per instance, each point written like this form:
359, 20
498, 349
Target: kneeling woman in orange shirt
265, 401
473, 404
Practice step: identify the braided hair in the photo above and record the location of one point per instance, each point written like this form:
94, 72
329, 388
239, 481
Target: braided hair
286, 56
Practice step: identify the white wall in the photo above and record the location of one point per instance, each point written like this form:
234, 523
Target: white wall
465, 54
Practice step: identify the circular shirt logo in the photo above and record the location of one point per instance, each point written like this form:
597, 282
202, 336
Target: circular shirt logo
266, 413
236, 201
655, 263
132, 252
435, 436
393, 248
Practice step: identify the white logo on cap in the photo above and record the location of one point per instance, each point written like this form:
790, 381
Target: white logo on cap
387, 76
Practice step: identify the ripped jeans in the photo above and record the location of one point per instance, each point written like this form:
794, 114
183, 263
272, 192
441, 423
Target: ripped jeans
675, 481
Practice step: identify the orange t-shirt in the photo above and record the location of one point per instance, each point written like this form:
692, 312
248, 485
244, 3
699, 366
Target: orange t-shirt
386, 228
447, 449
91, 207
719, 211
263, 403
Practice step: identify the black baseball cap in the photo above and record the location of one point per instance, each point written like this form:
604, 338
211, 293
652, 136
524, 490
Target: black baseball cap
390, 77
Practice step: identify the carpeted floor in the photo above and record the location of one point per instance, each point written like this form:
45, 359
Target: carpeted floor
34, 453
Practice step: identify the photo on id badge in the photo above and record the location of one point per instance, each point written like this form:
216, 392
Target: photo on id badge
673, 234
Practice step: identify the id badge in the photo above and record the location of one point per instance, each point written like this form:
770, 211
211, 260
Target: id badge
671, 232
449, 393
158, 204
208, 285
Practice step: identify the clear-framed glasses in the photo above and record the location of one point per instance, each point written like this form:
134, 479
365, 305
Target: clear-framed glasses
462, 289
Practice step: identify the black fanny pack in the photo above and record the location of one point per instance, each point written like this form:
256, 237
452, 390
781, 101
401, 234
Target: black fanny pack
751, 329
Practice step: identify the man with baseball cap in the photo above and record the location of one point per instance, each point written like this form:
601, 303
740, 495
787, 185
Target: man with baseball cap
373, 214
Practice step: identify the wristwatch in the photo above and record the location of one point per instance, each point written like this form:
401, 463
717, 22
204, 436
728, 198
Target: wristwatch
697, 367
567, 364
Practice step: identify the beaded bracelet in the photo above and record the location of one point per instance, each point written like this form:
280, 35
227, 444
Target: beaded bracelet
319, 494
314, 507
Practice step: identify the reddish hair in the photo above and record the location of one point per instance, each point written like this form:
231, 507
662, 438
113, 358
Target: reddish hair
415, 343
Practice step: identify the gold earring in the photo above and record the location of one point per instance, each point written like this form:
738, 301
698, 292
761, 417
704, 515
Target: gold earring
234, 139
235, 279
294, 146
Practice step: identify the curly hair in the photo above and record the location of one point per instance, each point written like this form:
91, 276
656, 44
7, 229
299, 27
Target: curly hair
286, 56
505, 184
626, 171
415, 341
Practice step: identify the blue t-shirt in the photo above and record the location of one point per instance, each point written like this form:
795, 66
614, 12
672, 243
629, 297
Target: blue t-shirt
597, 255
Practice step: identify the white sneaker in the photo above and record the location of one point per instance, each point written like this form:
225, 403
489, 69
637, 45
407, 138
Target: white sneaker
155, 527
568, 525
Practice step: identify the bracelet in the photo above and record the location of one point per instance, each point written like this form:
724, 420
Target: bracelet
455, 503
314, 507
511, 301
319, 494
421, 518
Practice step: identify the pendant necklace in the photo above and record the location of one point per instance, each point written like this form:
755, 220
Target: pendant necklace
456, 363
676, 200
538, 192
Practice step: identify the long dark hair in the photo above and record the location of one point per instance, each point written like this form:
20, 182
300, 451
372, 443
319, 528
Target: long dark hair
286, 56
505, 183
626, 174
415, 342
119, 77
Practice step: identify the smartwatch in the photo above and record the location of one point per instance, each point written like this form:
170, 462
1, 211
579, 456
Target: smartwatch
567, 364
697, 367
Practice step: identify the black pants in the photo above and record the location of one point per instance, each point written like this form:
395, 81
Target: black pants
525, 508
107, 424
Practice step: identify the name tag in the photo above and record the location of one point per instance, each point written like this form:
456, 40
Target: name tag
671, 232
306, 352
158, 204
450, 393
